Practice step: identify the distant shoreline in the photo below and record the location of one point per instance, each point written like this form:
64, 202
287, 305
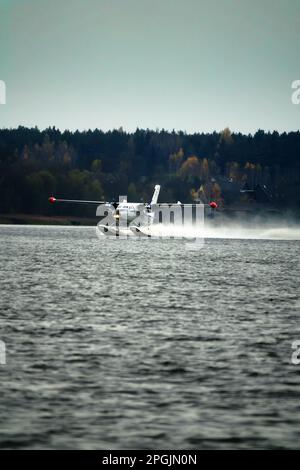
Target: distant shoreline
33, 219
231, 216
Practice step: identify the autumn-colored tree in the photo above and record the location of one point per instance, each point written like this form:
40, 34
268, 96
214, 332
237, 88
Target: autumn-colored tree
204, 192
175, 160
222, 153
190, 168
205, 169
226, 136
216, 193
250, 172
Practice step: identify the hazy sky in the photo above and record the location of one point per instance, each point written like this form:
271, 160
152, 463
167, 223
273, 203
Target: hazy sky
195, 65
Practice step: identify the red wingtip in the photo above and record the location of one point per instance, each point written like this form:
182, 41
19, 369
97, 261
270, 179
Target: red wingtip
52, 200
213, 205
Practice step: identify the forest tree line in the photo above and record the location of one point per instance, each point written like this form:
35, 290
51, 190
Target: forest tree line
35, 164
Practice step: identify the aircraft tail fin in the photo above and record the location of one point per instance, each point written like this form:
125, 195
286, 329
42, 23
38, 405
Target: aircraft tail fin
155, 194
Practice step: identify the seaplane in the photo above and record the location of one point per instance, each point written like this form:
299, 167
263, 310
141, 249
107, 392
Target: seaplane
123, 218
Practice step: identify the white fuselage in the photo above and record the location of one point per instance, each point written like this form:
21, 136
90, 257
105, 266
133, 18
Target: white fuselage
127, 210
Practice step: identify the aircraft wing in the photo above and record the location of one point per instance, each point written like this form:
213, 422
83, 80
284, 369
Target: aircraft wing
53, 200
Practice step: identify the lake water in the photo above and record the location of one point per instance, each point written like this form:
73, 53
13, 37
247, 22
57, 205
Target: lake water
146, 344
